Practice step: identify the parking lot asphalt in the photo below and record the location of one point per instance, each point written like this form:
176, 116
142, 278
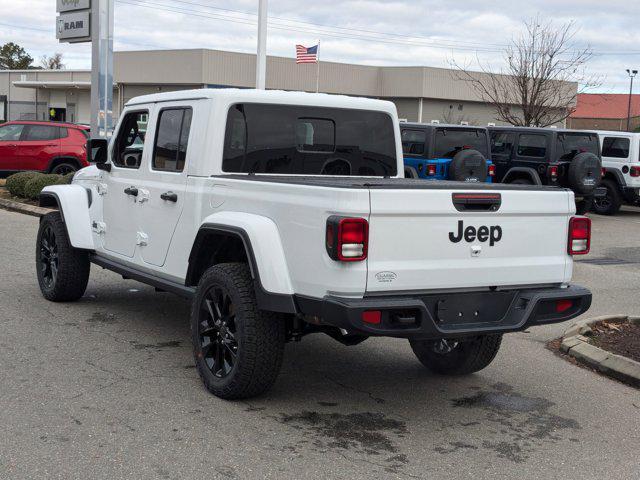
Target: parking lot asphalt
105, 388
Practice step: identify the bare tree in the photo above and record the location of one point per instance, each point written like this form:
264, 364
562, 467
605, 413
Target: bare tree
52, 63
452, 118
543, 75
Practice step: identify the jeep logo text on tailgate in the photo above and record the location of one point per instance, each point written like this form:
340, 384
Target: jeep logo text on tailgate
482, 234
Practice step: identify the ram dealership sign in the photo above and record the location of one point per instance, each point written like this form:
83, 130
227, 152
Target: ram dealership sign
74, 22
71, 5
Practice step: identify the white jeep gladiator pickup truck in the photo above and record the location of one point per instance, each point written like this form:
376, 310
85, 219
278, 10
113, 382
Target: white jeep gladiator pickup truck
282, 214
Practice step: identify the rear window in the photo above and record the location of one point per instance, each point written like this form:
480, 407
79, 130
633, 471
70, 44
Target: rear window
413, 141
450, 141
568, 145
615, 147
284, 139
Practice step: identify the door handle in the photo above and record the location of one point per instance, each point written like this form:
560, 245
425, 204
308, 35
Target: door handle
169, 197
131, 191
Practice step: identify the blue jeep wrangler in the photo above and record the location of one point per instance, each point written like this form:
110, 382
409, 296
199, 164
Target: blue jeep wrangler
446, 152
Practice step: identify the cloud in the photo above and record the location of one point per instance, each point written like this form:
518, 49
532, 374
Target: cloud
400, 32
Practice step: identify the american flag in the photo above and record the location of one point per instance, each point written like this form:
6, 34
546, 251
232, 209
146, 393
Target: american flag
306, 55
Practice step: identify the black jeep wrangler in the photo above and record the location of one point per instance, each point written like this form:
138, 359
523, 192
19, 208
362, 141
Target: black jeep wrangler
549, 156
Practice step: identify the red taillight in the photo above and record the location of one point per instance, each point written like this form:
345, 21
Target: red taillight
491, 171
553, 171
431, 170
634, 171
579, 236
372, 316
563, 305
603, 172
347, 238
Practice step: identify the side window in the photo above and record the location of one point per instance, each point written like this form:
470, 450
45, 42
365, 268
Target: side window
502, 143
40, 133
615, 147
172, 136
129, 144
532, 145
10, 133
413, 141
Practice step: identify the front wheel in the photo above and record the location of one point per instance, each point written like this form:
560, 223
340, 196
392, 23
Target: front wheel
451, 357
63, 271
238, 348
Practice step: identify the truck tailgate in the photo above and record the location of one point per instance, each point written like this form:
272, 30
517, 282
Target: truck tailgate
420, 240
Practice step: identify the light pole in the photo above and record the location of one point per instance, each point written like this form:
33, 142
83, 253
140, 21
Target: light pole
632, 74
261, 58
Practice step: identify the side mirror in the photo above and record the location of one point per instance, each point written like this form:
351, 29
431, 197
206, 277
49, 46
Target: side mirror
97, 153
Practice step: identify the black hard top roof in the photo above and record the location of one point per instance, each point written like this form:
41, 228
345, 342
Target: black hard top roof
440, 125
539, 129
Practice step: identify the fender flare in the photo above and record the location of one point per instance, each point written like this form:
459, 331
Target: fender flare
535, 178
265, 255
617, 174
73, 202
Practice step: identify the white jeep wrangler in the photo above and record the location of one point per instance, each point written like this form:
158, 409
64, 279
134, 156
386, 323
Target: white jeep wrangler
621, 165
282, 214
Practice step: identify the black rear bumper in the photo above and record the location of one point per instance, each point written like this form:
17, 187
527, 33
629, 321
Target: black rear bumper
450, 315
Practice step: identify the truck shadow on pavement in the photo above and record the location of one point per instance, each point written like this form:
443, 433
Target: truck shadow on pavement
362, 403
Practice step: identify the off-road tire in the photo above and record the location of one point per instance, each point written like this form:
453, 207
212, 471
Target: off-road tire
612, 201
73, 266
584, 206
585, 165
468, 166
467, 357
260, 335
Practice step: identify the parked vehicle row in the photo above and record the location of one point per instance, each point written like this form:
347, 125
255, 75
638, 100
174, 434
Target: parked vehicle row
525, 156
282, 214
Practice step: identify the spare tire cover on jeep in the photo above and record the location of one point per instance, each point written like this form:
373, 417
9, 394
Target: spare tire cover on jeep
584, 173
468, 166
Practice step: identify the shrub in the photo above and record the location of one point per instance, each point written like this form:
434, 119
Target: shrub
16, 182
66, 179
34, 186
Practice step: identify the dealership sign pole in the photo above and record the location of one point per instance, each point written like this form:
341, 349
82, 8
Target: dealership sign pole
82, 21
261, 58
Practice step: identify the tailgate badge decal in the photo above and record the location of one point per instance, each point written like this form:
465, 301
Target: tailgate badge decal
386, 277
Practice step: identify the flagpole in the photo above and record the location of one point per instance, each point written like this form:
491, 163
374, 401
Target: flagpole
318, 68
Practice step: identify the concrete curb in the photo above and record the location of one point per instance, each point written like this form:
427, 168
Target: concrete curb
19, 207
576, 344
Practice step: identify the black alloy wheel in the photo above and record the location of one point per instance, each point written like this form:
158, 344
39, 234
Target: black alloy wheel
64, 169
49, 257
217, 332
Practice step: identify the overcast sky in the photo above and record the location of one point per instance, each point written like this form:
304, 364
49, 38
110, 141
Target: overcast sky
419, 32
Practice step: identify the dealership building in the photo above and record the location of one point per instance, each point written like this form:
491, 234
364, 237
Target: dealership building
420, 94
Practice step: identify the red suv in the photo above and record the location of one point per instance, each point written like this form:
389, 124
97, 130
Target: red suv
42, 146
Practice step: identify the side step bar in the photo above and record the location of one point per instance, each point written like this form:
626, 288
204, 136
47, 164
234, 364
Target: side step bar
144, 277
